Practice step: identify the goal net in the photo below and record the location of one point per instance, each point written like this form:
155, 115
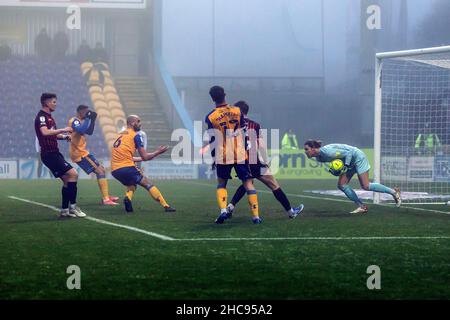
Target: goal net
412, 123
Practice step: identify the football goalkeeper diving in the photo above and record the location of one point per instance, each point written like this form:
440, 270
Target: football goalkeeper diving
355, 161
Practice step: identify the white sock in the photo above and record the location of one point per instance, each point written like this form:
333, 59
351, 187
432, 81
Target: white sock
223, 210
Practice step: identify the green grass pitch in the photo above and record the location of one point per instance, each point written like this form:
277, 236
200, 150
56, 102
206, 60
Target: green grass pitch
267, 261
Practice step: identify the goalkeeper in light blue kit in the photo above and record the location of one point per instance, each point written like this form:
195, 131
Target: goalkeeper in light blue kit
355, 161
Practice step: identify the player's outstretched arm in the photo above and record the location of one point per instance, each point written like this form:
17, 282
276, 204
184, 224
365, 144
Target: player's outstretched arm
54, 132
149, 156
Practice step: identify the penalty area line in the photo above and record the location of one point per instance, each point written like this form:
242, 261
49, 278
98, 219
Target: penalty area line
148, 233
163, 237
320, 238
405, 206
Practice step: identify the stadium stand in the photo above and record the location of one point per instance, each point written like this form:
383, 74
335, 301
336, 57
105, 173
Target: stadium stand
105, 99
139, 97
22, 81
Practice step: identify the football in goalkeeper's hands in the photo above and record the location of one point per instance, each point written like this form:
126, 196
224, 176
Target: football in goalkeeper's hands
336, 167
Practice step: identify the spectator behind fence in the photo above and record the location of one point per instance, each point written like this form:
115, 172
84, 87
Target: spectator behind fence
100, 54
84, 52
61, 45
427, 142
5, 52
43, 44
289, 141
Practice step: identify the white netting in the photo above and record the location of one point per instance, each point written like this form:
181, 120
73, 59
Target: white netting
415, 124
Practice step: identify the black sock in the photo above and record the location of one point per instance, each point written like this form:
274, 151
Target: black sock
281, 197
239, 194
65, 198
72, 186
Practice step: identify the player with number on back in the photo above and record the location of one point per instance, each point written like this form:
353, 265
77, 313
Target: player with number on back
123, 163
225, 124
83, 123
48, 134
354, 161
255, 146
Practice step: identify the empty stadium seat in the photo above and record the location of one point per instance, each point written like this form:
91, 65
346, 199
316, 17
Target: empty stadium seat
22, 81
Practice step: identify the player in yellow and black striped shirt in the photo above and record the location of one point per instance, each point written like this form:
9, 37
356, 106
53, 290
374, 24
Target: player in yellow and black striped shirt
225, 125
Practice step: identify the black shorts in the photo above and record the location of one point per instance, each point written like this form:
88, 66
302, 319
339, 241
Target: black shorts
258, 169
56, 163
242, 170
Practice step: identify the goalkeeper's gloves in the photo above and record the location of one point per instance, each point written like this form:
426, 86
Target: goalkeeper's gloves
344, 169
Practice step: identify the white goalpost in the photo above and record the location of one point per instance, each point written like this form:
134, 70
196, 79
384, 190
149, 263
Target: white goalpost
412, 124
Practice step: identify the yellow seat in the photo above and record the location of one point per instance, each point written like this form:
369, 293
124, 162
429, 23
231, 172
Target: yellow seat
109, 82
109, 89
114, 104
100, 104
95, 89
94, 77
86, 65
97, 97
106, 73
85, 68
112, 97
103, 113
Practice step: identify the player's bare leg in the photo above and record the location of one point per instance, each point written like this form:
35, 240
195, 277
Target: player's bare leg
270, 181
69, 193
350, 193
377, 187
103, 185
156, 194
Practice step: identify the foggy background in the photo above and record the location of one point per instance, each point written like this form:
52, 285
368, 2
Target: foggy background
305, 65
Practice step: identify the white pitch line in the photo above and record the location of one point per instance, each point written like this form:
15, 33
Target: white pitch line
318, 238
162, 237
148, 233
335, 200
